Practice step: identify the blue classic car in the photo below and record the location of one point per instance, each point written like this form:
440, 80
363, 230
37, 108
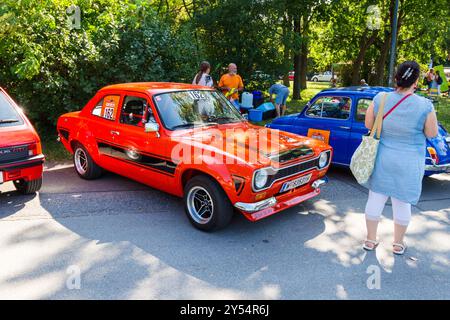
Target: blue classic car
336, 115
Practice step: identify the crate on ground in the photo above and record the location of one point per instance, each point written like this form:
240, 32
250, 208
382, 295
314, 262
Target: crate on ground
255, 115
268, 110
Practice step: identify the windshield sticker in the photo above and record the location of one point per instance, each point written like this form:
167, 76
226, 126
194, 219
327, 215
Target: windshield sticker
198, 95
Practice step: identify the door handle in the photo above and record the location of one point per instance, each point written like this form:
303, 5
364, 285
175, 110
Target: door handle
117, 133
344, 127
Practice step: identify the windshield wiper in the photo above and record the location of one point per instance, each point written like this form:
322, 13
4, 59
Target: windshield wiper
9, 121
215, 118
193, 124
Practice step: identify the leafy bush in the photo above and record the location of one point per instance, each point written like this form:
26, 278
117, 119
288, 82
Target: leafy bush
50, 68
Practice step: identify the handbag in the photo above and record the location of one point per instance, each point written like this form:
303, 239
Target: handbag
363, 160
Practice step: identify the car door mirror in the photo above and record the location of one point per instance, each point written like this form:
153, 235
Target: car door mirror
151, 127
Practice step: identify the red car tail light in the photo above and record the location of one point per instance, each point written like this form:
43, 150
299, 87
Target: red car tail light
34, 149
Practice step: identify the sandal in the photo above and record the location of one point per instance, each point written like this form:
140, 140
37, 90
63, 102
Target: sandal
374, 243
402, 246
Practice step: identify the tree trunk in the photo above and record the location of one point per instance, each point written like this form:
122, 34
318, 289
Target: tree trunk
287, 51
304, 64
382, 60
304, 52
363, 46
297, 62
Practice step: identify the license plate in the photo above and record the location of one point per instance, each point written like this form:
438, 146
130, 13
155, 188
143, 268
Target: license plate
295, 183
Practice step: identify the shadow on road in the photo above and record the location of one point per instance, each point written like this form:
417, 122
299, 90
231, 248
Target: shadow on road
131, 241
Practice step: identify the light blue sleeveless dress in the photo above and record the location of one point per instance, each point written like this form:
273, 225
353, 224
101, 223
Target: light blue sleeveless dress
400, 162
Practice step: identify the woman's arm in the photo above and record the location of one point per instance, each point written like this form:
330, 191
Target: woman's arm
431, 125
370, 117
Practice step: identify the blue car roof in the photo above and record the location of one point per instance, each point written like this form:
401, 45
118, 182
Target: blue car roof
355, 89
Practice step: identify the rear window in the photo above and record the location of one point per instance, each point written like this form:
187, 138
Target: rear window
8, 114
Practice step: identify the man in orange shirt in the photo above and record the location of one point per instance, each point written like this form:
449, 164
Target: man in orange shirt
231, 83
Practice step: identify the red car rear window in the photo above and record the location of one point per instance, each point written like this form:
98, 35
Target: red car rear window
8, 114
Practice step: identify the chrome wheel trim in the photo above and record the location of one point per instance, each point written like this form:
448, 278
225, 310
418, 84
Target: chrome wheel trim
81, 162
200, 205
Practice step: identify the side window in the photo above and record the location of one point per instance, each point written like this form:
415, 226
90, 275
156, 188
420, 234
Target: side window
361, 109
133, 110
331, 108
107, 107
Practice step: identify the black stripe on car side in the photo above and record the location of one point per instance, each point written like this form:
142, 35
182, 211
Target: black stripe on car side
142, 152
142, 160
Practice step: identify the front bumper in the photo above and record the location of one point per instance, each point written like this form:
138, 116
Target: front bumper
258, 210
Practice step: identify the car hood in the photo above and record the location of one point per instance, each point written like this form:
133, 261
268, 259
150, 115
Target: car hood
16, 135
252, 144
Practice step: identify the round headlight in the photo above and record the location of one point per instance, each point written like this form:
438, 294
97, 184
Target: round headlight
261, 179
323, 160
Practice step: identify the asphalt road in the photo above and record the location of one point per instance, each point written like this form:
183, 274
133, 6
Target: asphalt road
116, 239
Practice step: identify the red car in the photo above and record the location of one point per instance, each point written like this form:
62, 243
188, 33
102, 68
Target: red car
21, 158
191, 142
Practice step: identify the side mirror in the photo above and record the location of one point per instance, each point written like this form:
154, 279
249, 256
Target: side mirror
151, 127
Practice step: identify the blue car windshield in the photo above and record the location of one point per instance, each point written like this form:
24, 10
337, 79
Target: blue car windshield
330, 107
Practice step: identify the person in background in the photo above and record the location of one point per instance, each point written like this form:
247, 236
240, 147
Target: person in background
333, 83
439, 81
231, 83
363, 83
400, 163
282, 93
202, 77
430, 76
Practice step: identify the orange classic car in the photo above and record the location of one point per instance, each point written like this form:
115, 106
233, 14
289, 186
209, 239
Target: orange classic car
21, 158
189, 141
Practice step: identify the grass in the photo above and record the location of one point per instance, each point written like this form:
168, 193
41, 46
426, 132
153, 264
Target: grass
55, 151
442, 107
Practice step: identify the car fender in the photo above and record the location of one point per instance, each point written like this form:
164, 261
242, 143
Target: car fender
218, 172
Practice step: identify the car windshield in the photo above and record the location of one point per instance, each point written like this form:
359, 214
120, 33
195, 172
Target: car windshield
186, 109
8, 114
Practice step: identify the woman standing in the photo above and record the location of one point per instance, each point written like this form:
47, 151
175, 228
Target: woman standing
203, 78
400, 164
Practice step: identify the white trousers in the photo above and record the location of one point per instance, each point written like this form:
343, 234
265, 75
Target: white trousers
375, 205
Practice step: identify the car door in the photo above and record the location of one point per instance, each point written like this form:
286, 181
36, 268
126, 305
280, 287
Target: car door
143, 155
361, 104
102, 123
328, 118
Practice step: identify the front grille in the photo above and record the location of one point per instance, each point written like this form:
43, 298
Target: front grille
283, 173
290, 171
13, 154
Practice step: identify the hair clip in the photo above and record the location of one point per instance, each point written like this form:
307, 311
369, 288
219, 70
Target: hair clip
407, 73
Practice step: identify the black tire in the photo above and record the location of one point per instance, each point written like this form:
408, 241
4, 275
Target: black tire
316, 79
28, 187
222, 210
91, 169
